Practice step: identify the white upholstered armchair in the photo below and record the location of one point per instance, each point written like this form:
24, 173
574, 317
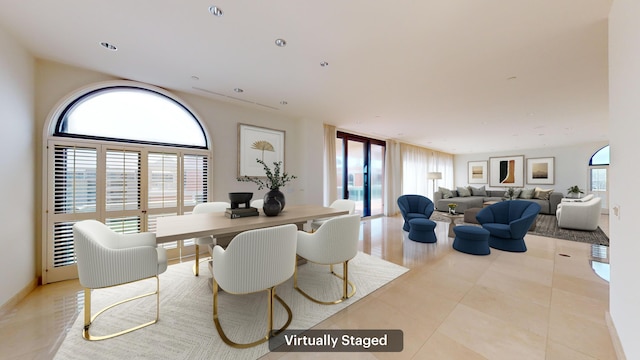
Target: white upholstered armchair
255, 260
106, 258
580, 214
202, 208
335, 241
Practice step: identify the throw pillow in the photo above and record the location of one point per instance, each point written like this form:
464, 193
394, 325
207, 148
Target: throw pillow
446, 193
463, 191
527, 193
516, 193
481, 191
542, 194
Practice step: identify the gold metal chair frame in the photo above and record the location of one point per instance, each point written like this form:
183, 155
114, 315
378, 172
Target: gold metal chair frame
196, 266
345, 285
270, 333
88, 319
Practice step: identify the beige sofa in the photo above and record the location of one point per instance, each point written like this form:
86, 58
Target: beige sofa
579, 214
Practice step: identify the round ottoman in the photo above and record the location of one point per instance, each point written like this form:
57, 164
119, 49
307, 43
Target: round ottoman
421, 230
471, 240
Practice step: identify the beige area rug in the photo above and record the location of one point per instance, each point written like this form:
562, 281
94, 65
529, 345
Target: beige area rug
186, 329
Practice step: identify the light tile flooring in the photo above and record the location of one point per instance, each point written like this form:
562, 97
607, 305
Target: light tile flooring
546, 303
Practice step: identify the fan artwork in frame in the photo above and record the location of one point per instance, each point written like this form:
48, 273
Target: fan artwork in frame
258, 143
506, 171
477, 172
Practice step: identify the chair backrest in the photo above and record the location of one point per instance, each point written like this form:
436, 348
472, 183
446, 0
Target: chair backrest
337, 239
256, 259
106, 258
505, 212
214, 206
344, 204
415, 204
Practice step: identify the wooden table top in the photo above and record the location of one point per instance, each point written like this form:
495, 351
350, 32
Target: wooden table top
180, 227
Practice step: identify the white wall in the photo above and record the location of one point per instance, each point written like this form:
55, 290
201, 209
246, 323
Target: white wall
624, 105
571, 165
18, 241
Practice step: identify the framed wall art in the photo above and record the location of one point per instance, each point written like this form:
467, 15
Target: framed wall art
506, 171
256, 142
477, 172
541, 170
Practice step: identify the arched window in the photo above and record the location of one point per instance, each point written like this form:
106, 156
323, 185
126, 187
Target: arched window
130, 114
125, 154
601, 157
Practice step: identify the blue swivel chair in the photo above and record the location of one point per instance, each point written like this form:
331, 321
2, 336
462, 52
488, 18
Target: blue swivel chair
414, 207
508, 223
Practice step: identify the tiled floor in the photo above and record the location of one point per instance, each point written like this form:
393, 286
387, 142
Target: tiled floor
547, 303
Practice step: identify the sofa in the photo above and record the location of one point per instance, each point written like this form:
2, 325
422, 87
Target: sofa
471, 197
579, 214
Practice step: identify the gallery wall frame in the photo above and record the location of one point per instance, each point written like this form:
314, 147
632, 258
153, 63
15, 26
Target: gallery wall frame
541, 171
506, 171
477, 172
255, 142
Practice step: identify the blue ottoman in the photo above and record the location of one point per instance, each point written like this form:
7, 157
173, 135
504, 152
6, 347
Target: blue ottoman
471, 240
421, 230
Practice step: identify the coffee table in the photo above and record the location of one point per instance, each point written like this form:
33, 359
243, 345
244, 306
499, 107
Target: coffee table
452, 218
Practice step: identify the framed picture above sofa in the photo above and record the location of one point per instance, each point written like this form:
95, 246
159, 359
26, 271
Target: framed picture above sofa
477, 172
506, 171
541, 170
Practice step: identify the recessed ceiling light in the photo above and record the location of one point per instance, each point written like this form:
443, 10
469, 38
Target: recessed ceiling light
324, 64
238, 90
108, 46
281, 42
512, 77
283, 102
195, 77
216, 11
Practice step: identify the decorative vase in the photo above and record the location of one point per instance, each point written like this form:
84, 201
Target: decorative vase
271, 206
276, 193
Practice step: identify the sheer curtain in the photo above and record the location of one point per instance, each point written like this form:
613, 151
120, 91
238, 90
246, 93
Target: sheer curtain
417, 162
330, 167
392, 177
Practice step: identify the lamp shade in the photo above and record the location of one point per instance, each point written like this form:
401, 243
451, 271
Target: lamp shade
434, 175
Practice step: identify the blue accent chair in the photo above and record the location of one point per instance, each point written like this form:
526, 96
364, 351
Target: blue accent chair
508, 223
414, 207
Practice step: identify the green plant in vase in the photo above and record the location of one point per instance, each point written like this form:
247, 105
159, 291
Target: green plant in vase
275, 180
574, 191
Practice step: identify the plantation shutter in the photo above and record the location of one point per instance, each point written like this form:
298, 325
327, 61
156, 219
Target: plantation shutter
73, 191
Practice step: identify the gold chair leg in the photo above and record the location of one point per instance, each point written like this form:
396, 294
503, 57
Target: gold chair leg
196, 265
345, 285
272, 295
88, 319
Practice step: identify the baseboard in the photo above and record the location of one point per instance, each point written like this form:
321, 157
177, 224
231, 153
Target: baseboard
13, 301
615, 340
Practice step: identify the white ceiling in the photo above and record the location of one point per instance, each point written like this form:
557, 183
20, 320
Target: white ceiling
461, 76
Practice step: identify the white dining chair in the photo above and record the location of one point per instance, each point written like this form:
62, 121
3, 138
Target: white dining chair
335, 242
106, 259
255, 260
202, 208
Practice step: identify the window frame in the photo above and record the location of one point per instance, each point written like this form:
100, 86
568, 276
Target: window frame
51, 139
71, 105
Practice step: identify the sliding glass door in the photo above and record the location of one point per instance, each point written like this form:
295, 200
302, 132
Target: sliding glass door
360, 168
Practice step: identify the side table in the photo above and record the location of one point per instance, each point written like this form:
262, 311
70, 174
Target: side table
452, 218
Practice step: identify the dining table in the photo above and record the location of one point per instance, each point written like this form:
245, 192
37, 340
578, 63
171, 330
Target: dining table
223, 228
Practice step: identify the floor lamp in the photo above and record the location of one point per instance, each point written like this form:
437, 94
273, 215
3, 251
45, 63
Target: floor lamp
433, 176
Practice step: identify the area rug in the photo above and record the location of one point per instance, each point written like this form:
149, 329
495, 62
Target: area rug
186, 329
546, 225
